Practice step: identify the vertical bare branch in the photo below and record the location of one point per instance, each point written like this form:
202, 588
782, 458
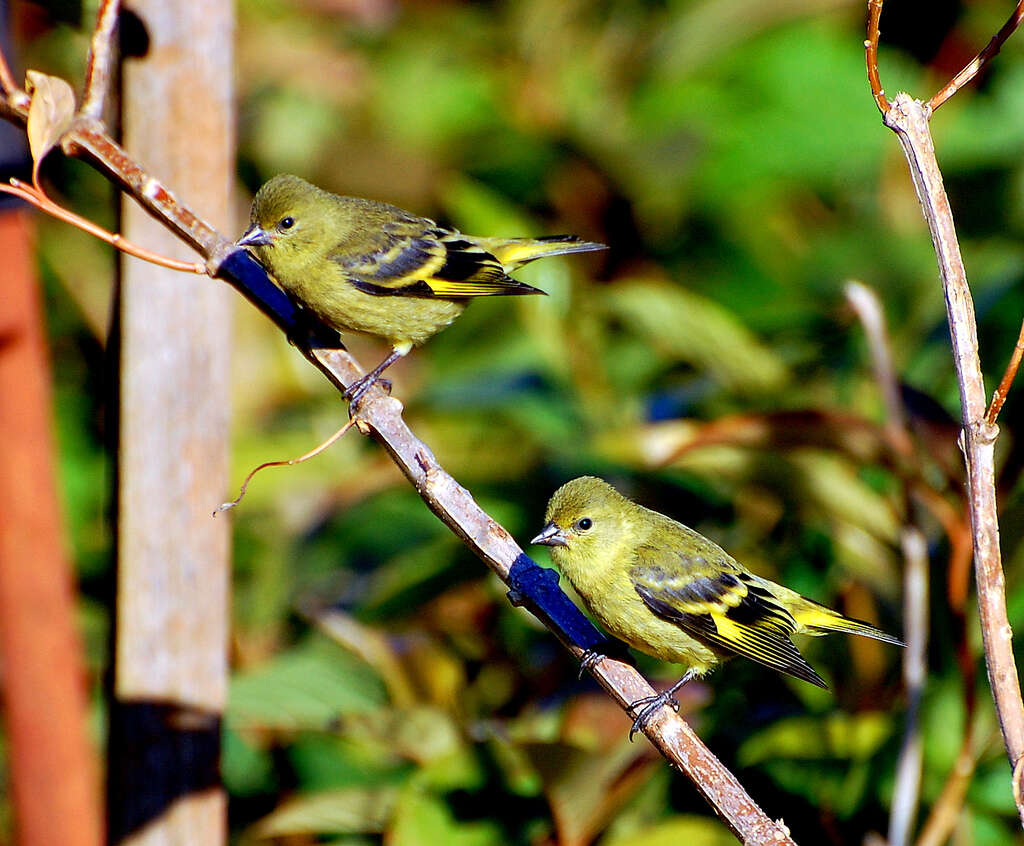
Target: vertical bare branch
908, 118
907, 786
99, 73
869, 310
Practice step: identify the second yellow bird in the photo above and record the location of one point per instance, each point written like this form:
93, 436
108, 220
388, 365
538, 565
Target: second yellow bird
372, 268
670, 592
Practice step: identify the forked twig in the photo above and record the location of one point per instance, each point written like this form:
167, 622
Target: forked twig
908, 118
999, 397
974, 66
35, 196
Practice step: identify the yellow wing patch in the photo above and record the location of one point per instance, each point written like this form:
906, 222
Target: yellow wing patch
435, 263
728, 614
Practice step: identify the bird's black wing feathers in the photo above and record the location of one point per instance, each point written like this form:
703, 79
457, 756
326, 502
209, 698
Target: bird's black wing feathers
470, 270
413, 258
727, 611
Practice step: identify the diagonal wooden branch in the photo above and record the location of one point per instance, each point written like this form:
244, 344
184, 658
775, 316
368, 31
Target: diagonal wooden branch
908, 118
380, 416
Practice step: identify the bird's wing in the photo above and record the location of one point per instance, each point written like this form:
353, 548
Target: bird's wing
414, 258
723, 608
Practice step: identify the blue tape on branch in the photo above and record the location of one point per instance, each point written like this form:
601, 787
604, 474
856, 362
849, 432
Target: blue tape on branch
536, 588
246, 274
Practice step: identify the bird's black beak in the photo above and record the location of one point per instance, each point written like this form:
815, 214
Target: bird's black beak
254, 237
551, 535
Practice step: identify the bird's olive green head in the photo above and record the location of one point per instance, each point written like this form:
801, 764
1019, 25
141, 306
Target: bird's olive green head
291, 218
583, 517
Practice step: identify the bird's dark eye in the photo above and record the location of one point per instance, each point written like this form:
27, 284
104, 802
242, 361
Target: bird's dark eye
286, 223
584, 524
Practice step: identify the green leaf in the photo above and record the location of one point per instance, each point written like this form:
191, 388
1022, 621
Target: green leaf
838, 735
422, 819
308, 687
347, 811
691, 328
247, 769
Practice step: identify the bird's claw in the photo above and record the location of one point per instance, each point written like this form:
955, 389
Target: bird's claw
589, 660
652, 703
649, 706
357, 390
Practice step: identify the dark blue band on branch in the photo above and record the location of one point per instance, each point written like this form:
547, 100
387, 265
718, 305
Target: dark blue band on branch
536, 588
245, 274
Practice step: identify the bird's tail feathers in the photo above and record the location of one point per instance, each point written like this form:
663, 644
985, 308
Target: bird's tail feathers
515, 252
819, 619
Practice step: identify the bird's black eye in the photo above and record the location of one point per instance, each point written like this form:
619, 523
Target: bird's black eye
286, 223
584, 524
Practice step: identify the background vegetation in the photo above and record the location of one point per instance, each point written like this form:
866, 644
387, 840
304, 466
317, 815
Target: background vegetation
730, 154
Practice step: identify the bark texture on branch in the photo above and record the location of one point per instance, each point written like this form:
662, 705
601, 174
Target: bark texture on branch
908, 118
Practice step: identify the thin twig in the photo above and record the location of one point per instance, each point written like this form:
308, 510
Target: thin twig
99, 73
907, 785
381, 417
16, 98
89, 139
871, 55
908, 118
37, 198
906, 791
7, 78
865, 303
287, 462
974, 66
999, 397
947, 808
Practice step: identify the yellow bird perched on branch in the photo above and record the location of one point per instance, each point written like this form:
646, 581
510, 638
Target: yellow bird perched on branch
670, 592
372, 268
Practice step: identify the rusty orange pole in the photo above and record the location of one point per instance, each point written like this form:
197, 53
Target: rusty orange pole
54, 774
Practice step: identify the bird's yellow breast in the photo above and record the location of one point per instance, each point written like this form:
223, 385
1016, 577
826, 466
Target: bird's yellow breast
604, 583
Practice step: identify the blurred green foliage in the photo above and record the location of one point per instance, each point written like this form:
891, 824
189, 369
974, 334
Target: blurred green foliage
730, 154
